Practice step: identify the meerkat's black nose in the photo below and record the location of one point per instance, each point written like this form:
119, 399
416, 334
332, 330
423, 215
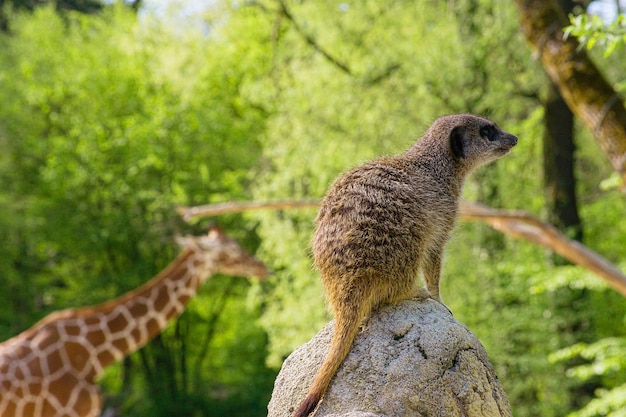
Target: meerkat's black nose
512, 139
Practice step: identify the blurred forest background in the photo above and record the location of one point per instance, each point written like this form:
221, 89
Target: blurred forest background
113, 114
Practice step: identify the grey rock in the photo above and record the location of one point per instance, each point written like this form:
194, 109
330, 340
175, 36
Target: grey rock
410, 359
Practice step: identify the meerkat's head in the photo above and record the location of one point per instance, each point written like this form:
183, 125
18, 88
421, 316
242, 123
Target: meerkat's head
472, 140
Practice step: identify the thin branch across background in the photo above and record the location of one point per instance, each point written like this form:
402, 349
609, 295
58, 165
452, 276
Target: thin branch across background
517, 224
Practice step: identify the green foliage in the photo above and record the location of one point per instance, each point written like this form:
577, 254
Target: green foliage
607, 41
111, 149
592, 30
605, 359
107, 125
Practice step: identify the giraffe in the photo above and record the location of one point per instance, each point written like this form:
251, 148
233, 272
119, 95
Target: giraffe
50, 369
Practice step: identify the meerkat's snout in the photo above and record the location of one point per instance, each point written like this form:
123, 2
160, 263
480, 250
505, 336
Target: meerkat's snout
507, 142
512, 139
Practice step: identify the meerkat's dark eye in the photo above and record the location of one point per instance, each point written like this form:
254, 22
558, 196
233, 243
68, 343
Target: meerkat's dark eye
488, 132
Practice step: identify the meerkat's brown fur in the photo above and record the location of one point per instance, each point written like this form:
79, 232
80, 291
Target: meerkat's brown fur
385, 221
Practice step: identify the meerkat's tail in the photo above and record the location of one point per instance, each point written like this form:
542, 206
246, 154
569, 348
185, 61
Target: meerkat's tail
341, 342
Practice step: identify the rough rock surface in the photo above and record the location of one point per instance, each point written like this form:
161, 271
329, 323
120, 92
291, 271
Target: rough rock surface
410, 359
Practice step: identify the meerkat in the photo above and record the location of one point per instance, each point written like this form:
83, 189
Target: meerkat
383, 222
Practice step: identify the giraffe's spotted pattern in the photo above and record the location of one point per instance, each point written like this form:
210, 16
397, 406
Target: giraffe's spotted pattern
50, 369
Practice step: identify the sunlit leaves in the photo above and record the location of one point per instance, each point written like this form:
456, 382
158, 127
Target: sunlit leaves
607, 359
592, 30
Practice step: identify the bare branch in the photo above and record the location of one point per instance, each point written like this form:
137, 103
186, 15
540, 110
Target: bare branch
517, 224
310, 40
208, 210
521, 225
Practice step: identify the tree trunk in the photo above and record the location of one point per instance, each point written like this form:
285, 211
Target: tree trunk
558, 166
581, 84
558, 161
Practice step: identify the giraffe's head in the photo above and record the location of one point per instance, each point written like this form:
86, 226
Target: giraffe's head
224, 254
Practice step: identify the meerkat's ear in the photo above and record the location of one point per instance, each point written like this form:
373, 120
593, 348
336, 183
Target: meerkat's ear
457, 142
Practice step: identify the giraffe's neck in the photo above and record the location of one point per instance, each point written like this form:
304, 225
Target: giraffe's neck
106, 333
